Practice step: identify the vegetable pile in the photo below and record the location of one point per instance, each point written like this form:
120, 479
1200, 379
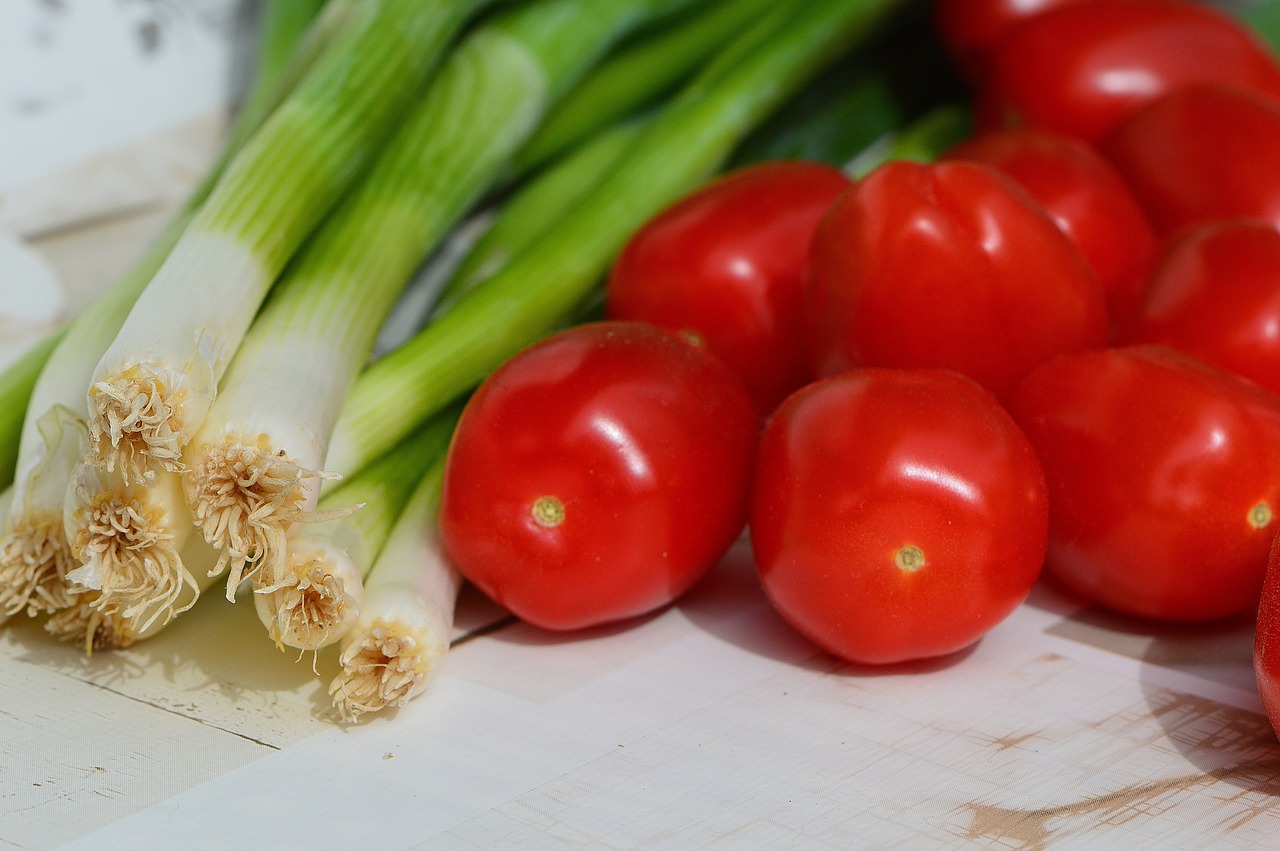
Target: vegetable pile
721, 273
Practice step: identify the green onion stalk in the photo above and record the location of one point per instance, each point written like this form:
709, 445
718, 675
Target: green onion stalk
16, 385
153, 386
36, 556
685, 144
540, 203
256, 459
637, 77
405, 624
322, 592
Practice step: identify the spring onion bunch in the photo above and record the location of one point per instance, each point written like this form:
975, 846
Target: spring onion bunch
154, 384
37, 558
254, 464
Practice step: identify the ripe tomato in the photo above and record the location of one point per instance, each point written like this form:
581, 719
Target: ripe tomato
1201, 154
726, 266
948, 265
1215, 294
598, 474
896, 514
1266, 643
971, 29
1086, 197
1081, 69
1164, 480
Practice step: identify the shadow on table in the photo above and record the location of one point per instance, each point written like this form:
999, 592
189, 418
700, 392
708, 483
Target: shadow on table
215, 644
1194, 678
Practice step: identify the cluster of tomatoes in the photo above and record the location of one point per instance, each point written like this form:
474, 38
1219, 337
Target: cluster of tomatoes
1056, 346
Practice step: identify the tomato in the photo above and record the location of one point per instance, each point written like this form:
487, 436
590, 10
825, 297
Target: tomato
896, 514
598, 474
1216, 295
1081, 69
1201, 154
726, 267
1164, 480
1266, 642
971, 29
948, 265
1086, 197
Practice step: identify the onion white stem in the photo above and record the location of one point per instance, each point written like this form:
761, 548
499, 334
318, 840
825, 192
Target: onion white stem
86, 623
127, 539
35, 557
405, 626
316, 598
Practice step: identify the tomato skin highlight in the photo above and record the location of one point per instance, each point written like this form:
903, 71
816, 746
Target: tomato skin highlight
1081, 69
1215, 294
896, 514
644, 441
951, 265
727, 264
1088, 199
1164, 480
1201, 154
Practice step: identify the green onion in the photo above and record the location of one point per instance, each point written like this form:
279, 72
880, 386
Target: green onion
16, 384
85, 622
264, 440
318, 596
283, 22
406, 621
154, 385
36, 557
684, 145
636, 77
534, 210
127, 538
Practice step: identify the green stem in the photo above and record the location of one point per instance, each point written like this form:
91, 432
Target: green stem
383, 488
536, 207
16, 384
637, 77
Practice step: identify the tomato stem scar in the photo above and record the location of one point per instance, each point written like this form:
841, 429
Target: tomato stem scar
548, 512
909, 559
1260, 515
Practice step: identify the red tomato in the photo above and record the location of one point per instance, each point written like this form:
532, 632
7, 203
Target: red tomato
1216, 295
598, 474
1164, 480
948, 265
1085, 196
971, 29
726, 267
1202, 154
1266, 644
896, 514
1082, 69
